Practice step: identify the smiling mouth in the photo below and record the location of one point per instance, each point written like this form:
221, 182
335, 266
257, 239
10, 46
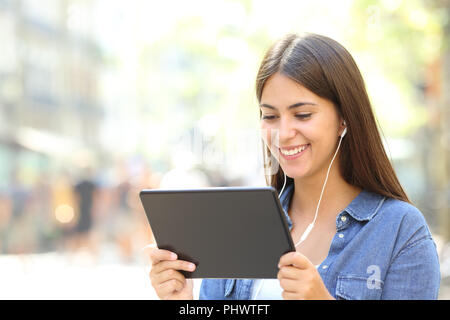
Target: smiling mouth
293, 151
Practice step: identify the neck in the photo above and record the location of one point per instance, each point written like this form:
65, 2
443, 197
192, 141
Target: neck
336, 195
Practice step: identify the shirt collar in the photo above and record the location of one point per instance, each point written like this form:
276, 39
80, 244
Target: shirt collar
285, 200
363, 208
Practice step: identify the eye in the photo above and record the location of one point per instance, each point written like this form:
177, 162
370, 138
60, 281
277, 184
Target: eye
268, 117
303, 116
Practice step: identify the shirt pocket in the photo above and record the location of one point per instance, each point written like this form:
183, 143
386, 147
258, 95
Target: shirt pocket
356, 287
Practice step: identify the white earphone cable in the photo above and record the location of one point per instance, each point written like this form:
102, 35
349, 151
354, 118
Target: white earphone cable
282, 189
311, 225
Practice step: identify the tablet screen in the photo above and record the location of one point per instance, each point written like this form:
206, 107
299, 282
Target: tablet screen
232, 232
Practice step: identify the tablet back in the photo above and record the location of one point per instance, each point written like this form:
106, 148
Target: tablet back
230, 232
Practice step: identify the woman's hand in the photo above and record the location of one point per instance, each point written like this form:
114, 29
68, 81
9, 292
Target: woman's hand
168, 282
300, 280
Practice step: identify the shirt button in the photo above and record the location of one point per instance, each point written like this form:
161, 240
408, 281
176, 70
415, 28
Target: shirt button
343, 218
324, 266
341, 235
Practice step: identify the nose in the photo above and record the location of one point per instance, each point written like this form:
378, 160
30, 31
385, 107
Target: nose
286, 130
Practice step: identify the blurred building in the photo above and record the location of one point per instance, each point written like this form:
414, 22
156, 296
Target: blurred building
49, 71
50, 110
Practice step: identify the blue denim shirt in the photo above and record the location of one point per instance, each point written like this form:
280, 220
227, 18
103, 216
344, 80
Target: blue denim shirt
382, 249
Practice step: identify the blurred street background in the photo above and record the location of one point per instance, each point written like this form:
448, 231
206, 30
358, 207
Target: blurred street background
102, 98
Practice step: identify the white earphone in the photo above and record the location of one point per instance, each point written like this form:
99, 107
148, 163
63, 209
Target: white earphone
311, 225
345, 129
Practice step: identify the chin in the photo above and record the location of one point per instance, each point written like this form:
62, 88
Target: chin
297, 174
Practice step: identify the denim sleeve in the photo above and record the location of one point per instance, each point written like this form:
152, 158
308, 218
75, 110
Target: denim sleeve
414, 272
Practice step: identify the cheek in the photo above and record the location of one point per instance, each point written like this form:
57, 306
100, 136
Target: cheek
315, 131
323, 148
310, 135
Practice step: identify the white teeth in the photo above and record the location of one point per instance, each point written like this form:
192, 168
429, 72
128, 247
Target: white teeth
293, 151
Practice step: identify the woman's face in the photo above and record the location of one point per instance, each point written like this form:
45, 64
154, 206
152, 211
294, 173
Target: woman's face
307, 126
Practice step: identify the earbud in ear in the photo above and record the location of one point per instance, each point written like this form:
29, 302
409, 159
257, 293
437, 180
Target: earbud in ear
345, 129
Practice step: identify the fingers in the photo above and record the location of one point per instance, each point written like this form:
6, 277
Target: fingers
289, 272
176, 265
158, 255
289, 295
169, 274
165, 275
289, 285
296, 259
167, 288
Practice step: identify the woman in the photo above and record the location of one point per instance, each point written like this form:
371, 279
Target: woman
357, 235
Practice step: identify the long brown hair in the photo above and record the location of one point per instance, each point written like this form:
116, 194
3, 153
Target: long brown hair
326, 68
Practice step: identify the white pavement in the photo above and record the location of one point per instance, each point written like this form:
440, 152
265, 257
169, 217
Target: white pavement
77, 276
63, 276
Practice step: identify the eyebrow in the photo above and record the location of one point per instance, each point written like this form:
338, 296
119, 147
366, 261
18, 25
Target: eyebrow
295, 105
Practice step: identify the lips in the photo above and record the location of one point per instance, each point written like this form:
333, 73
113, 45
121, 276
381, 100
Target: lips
288, 151
293, 147
294, 152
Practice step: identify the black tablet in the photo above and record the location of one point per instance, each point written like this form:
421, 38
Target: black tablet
228, 232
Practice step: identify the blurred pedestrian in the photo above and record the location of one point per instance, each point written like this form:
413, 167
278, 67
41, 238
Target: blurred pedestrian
16, 239
85, 195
